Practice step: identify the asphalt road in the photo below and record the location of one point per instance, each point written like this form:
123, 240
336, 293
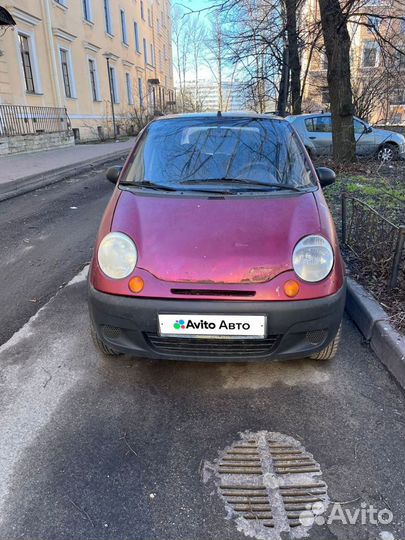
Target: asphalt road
92, 448
46, 238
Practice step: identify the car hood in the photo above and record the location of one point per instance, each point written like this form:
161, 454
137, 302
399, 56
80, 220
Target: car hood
384, 134
214, 240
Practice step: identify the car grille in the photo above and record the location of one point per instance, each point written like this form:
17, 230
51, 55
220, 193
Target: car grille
213, 348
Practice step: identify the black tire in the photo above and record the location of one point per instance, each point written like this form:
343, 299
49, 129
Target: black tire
102, 347
388, 152
330, 351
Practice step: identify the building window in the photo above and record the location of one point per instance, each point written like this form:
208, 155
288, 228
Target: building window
152, 55
140, 93
27, 63
142, 11
149, 17
124, 27
325, 99
67, 75
145, 51
397, 96
94, 82
87, 11
61, 2
160, 61
136, 33
130, 94
113, 85
324, 60
370, 54
107, 17
373, 22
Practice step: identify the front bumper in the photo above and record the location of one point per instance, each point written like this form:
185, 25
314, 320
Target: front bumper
295, 329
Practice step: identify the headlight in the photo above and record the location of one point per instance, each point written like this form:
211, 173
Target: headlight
117, 255
312, 258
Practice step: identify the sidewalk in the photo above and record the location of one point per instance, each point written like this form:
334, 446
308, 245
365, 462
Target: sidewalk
22, 165
22, 173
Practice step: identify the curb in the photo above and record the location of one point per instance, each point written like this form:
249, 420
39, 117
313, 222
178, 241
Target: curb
373, 322
31, 183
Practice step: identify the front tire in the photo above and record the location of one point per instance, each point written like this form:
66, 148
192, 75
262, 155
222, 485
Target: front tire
102, 347
388, 152
330, 351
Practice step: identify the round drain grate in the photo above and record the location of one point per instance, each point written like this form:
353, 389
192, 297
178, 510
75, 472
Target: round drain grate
270, 485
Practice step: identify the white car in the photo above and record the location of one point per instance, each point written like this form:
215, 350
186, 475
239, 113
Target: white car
316, 132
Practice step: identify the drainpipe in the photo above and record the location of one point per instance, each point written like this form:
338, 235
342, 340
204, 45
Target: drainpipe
51, 51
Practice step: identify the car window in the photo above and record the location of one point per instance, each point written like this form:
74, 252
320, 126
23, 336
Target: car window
219, 148
358, 126
323, 124
309, 124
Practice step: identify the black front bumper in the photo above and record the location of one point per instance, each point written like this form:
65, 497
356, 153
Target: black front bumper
296, 329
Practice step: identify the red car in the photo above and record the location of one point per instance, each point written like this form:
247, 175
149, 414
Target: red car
217, 244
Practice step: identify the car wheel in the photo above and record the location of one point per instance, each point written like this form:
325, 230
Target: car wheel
330, 351
387, 152
102, 347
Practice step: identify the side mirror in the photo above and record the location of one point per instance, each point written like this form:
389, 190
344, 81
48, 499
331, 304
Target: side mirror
326, 176
368, 129
113, 173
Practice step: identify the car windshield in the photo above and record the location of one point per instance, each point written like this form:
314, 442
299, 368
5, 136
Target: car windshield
239, 153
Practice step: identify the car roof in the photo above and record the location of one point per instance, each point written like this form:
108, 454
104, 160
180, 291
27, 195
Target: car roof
238, 114
307, 115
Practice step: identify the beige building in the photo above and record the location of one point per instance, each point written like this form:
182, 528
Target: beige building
378, 79
84, 54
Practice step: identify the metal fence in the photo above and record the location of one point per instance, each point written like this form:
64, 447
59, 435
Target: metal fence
375, 241
24, 120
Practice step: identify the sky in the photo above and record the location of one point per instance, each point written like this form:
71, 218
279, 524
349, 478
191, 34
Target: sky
204, 71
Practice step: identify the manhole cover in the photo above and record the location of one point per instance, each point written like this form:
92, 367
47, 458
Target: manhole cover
270, 485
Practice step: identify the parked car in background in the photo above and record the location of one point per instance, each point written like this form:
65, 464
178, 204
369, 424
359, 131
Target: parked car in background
218, 244
315, 131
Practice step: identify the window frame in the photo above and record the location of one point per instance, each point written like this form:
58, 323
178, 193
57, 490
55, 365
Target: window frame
124, 28
96, 94
108, 22
371, 45
141, 93
87, 7
129, 87
33, 61
113, 80
137, 38
145, 50
70, 72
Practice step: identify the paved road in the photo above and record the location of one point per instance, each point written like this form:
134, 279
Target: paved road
46, 237
98, 449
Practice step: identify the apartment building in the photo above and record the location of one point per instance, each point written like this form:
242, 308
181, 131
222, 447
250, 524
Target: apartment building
378, 79
92, 57
205, 96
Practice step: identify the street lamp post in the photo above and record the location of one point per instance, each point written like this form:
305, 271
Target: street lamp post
110, 82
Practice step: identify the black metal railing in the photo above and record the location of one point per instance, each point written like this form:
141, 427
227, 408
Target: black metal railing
24, 120
374, 240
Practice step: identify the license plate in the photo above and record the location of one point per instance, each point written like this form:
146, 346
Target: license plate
214, 326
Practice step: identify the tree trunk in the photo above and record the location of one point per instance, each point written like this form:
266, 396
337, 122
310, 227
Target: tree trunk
284, 84
294, 56
337, 45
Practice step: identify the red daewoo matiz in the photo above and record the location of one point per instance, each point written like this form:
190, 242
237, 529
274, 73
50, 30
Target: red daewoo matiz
217, 244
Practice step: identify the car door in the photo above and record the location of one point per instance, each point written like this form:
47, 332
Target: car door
365, 141
320, 133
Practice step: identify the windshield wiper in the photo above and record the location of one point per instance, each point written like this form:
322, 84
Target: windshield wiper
149, 185
162, 187
246, 181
